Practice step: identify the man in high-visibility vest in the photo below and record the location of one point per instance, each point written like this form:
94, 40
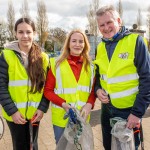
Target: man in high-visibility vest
122, 74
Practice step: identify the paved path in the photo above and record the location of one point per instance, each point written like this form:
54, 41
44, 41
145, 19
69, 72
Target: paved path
46, 136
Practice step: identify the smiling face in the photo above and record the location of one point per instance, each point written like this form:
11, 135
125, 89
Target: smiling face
25, 34
76, 44
108, 24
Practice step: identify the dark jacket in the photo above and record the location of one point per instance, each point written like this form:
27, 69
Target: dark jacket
142, 63
5, 98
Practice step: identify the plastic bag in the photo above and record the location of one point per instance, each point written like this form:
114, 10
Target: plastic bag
122, 137
77, 135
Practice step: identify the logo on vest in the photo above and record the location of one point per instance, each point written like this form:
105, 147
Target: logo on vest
123, 55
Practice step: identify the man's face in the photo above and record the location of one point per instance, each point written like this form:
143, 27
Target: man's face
108, 25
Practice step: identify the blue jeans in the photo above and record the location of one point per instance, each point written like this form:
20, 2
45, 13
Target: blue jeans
108, 111
58, 131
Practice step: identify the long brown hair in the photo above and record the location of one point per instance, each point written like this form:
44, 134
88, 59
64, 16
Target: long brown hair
35, 69
66, 50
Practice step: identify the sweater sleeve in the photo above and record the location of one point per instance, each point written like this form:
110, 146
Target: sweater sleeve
142, 63
92, 96
49, 90
97, 80
44, 104
5, 98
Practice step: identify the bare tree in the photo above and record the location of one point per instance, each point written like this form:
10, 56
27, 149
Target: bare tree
3, 33
11, 21
148, 26
119, 8
58, 35
91, 16
42, 22
56, 38
139, 19
92, 26
24, 11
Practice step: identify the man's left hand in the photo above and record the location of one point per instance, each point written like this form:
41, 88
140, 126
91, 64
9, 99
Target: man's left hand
133, 121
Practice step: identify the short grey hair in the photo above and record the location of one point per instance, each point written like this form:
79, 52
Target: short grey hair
107, 8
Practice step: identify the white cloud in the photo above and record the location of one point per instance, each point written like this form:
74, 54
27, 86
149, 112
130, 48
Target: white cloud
70, 14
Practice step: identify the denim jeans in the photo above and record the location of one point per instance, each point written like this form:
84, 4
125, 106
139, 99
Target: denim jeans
58, 131
108, 111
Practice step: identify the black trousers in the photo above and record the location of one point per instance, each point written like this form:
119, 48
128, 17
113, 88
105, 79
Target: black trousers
21, 135
108, 111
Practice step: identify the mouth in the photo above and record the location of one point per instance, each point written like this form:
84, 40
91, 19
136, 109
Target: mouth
25, 41
108, 32
78, 49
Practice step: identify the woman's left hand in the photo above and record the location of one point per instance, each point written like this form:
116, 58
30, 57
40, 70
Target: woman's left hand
37, 116
85, 111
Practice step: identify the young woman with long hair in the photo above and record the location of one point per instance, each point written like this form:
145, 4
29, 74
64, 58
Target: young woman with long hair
70, 80
23, 69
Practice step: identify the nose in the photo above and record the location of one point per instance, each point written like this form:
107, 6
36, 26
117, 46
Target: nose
25, 35
77, 44
106, 27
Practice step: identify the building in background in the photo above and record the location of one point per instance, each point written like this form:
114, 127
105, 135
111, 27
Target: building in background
94, 41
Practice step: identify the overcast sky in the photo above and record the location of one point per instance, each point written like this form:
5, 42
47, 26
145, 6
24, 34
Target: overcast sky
70, 14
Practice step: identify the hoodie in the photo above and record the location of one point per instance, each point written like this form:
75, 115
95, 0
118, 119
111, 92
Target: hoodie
15, 47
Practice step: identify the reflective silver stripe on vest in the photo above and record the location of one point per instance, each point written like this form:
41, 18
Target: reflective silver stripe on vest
65, 91
24, 104
19, 83
120, 78
92, 76
124, 93
58, 77
83, 88
72, 90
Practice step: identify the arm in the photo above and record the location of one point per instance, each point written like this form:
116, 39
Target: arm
42, 108
86, 109
97, 80
92, 96
101, 94
49, 90
142, 62
44, 104
5, 98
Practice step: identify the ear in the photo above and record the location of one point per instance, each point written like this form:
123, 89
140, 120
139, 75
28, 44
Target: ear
119, 21
16, 35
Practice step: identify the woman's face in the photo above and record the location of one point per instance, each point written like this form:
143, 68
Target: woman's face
25, 35
76, 44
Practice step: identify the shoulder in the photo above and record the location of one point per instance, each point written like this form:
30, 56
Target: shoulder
45, 57
3, 62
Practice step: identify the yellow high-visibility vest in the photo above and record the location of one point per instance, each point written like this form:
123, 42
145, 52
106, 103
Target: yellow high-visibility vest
118, 77
75, 93
19, 86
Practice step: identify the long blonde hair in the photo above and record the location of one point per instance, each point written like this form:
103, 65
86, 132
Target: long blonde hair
66, 50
